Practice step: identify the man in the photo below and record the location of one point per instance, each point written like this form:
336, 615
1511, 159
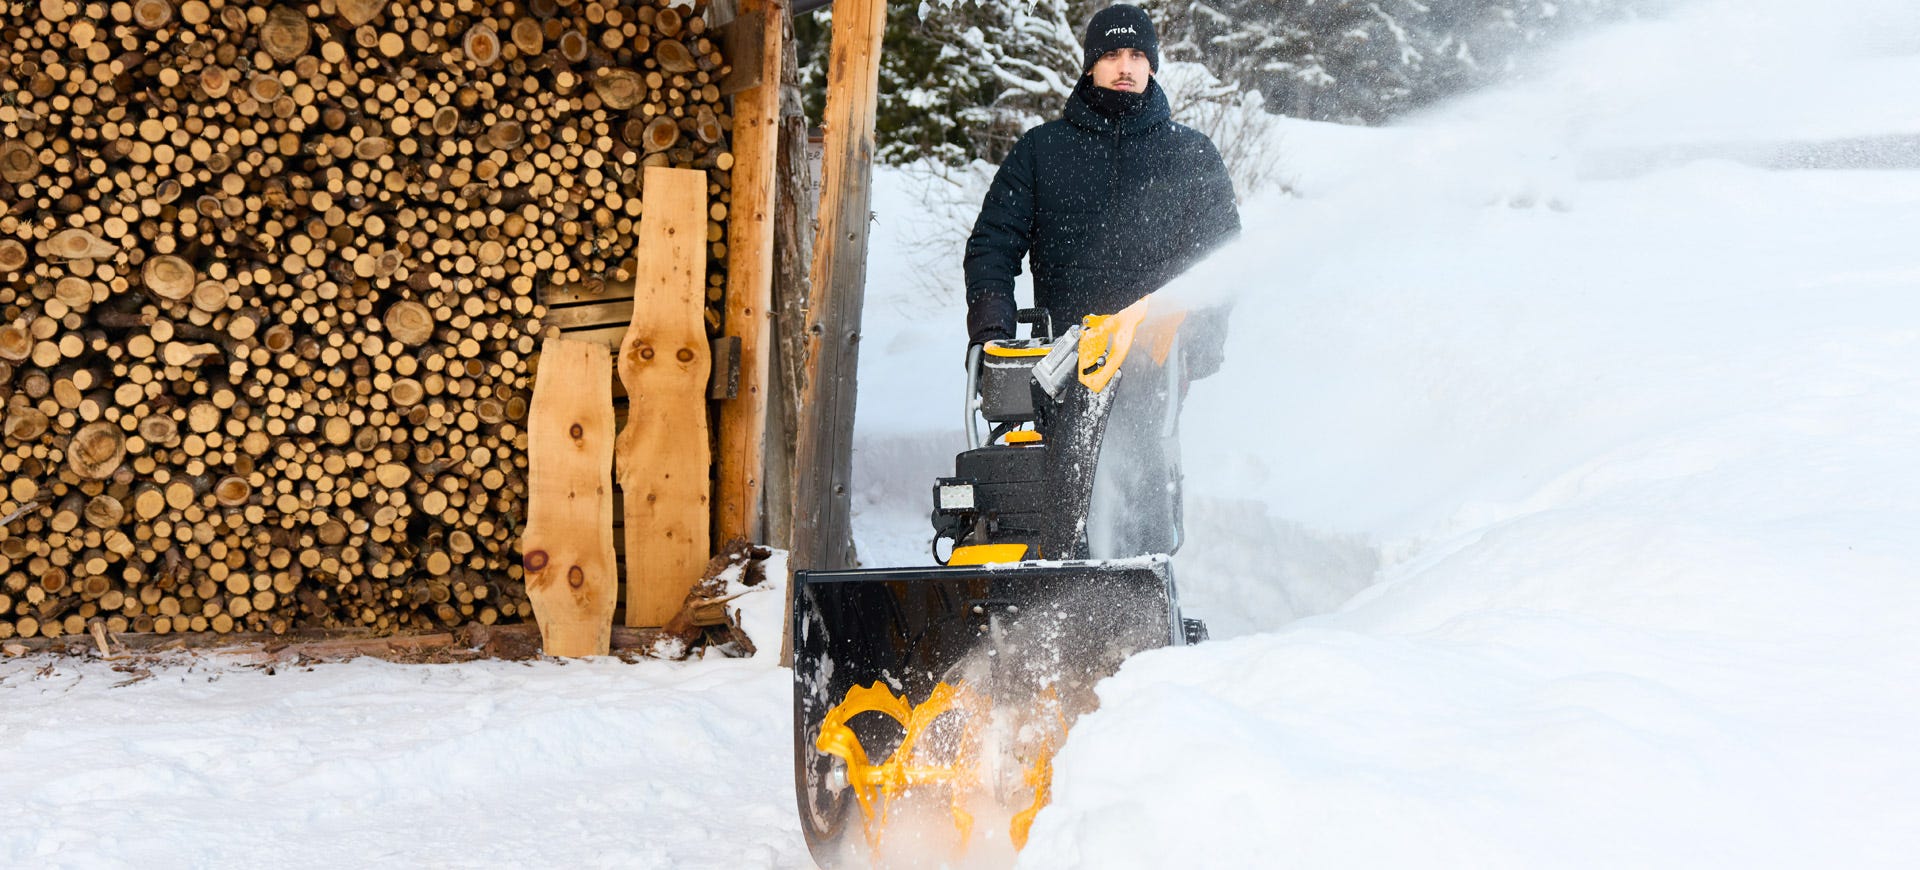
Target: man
1110, 202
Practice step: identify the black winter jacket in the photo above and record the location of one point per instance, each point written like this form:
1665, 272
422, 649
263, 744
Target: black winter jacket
1109, 211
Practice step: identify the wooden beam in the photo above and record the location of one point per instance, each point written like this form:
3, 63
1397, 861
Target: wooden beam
661, 457
794, 202
743, 41
793, 210
567, 547
466, 643
822, 513
725, 383
743, 417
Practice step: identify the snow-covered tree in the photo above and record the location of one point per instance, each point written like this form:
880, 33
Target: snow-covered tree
1366, 60
961, 80
1027, 58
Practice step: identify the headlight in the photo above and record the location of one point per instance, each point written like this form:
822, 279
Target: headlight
955, 496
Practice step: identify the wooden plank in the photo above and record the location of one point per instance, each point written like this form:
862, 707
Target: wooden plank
741, 465
567, 546
823, 463
661, 455
743, 41
618, 312
608, 337
605, 336
593, 290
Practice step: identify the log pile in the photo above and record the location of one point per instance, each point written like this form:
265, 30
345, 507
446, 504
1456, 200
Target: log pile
270, 283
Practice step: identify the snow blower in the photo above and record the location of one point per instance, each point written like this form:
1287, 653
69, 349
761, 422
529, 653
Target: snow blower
928, 701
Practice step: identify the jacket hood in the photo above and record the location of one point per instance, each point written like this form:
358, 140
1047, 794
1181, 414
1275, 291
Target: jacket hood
1082, 115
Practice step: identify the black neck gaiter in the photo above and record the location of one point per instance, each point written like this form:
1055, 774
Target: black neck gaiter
1111, 103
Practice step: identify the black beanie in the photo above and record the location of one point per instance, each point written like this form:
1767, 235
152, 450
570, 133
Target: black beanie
1121, 26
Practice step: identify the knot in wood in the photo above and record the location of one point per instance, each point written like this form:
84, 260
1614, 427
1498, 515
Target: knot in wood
685, 355
576, 577
646, 352
536, 560
577, 432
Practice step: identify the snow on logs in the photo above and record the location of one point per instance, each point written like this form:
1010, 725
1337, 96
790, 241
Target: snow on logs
270, 290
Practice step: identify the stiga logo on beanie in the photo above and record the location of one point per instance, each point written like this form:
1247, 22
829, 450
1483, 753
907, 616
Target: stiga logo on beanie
1121, 26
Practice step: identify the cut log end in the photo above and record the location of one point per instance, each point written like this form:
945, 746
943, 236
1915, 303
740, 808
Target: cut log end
406, 393
286, 35
169, 277
211, 296
620, 89
16, 343
358, 12
18, 162
13, 256
574, 46
529, 37
409, 322
232, 491
506, 135
73, 291
25, 424
79, 245
96, 450
661, 134
674, 57
152, 14
481, 45
214, 82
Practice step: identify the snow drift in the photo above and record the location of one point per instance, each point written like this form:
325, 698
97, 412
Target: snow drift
1638, 454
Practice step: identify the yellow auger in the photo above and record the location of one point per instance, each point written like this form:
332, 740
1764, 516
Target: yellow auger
877, 785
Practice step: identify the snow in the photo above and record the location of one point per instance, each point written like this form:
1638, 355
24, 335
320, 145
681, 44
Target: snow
1544, 515
368, 764
593, 763
1635, 458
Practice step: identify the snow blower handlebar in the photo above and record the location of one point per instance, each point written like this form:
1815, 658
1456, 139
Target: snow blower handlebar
1039, 335
972, 398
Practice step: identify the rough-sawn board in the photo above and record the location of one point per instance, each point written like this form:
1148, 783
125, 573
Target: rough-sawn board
662, 457
567, 548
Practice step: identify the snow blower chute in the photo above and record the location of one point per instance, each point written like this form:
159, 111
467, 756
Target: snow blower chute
928, 702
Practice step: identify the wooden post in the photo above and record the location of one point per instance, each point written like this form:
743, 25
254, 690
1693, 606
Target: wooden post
661, 456
794, 203
793, 212
823, 528
743, 418
567, 548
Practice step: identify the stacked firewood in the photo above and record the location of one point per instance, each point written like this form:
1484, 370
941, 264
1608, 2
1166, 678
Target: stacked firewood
270, 283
